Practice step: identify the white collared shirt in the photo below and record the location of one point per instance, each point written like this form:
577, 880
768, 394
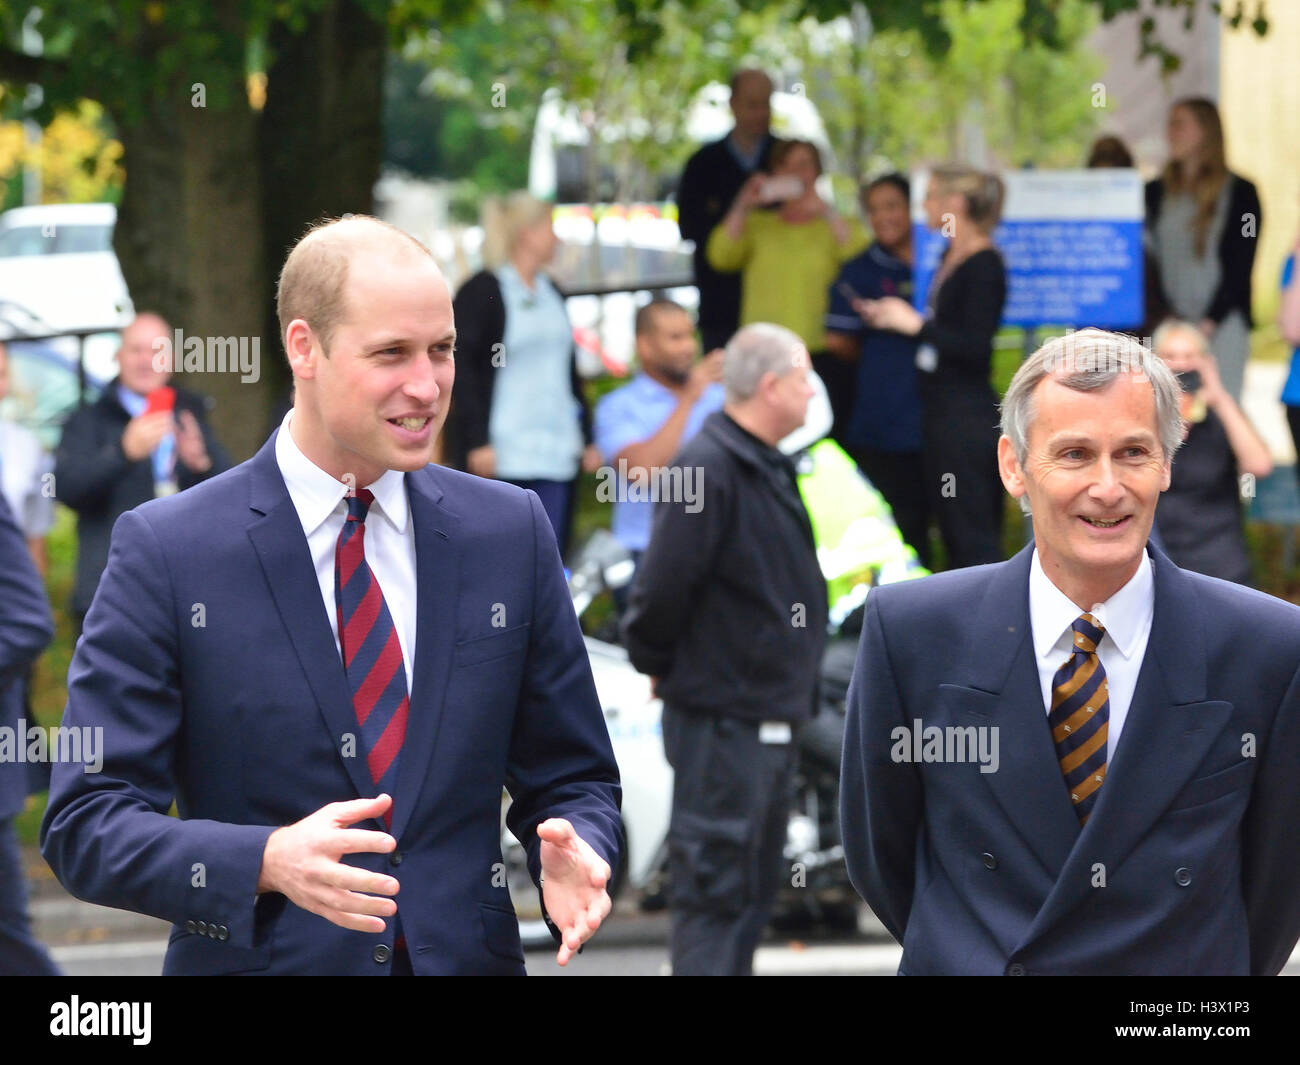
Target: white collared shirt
390, 535
1126, 617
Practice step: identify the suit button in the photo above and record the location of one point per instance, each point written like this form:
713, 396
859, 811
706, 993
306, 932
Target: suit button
203, 928
395, 858
382, 953
1015, 969
989, 861
223, 933
1182, 877
191, 927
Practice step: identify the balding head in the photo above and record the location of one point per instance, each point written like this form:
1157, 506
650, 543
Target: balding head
313, 281
751, 103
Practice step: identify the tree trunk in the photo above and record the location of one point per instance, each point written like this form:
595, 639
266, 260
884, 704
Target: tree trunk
321, 138
190, 243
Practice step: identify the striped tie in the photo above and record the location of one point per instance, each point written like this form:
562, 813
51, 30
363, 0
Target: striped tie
372, 657
1080, 716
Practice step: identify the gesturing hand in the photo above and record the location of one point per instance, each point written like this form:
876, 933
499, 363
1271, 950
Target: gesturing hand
302, 862
573, 885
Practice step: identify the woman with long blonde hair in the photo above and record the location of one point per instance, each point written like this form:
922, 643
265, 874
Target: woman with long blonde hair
1202, 229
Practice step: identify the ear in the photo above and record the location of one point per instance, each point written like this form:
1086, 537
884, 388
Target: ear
1013, 477
1168, 470
301, 348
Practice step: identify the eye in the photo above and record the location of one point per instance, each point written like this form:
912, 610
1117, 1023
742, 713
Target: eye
1073, 454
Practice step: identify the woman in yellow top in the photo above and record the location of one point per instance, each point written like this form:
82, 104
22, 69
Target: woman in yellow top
789, 250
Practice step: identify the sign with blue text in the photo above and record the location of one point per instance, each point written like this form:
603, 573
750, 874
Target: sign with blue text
1072, 244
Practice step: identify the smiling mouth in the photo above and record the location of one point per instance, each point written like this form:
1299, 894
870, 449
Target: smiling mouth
413, 425
1099, 523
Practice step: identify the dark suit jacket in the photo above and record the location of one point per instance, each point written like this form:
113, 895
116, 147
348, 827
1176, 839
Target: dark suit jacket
26, 629
1188, 863
94, 477
208, 659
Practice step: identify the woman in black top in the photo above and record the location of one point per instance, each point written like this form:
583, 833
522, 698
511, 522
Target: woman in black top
959, 426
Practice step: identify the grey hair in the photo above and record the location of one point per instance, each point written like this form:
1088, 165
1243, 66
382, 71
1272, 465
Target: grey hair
1086, 361
755, 350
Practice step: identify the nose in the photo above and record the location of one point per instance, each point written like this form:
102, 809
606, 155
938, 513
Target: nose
1107, 489
421, 384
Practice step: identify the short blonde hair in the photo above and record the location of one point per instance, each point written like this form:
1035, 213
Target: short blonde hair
311, 285
504, 218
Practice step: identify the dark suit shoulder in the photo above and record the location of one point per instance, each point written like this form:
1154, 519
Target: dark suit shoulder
1244, 616
940, 595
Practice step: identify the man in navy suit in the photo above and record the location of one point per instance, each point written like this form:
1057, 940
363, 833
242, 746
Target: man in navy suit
1081, 760
26, 629
337, 634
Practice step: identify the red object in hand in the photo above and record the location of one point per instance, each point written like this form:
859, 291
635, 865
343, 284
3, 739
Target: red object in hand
160, 399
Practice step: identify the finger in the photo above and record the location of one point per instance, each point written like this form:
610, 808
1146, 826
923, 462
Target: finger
555, 830
361, 841
354, 810
349, 878
352, 921
355, 903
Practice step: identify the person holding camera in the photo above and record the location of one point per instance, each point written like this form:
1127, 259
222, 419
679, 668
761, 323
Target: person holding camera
1199, 514
787, 243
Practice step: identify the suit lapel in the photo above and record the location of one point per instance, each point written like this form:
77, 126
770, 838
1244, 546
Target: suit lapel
1168, 731
277, 536
437, 569
1002, 691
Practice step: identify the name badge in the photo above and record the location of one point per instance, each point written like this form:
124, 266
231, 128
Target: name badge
775, 732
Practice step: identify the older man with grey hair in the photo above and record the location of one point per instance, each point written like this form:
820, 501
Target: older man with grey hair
1136, 726
728, 615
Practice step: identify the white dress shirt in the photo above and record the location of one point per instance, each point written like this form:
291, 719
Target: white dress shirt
390, 536
1126, 617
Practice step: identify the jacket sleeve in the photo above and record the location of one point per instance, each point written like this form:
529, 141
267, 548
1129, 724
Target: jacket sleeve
479, 328
560, 763
107, 834
87, 467
580, 394
676, 563
26, 626
968, 336
1270, 878
692, 216
727, 255
880, 798
1237, 248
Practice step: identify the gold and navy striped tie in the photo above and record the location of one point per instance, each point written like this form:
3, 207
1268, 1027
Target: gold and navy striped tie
1080, 716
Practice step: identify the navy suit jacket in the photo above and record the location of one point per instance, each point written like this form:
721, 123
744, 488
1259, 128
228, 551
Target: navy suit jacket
26, 629
1188, 864
208, 659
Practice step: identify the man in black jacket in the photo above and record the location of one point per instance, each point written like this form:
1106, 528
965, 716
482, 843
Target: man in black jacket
728, 615
116, 453
712, 177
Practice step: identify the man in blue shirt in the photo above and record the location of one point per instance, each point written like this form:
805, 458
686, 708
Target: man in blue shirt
642, 425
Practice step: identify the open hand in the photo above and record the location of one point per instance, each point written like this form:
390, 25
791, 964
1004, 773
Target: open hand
574, 878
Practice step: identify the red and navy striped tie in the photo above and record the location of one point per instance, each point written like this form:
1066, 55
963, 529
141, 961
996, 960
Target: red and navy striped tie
372, 657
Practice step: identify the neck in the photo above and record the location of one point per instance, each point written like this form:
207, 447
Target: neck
1085, 590
314, 443
525, 266
969, 238
745, 143
669, 382
753, 422
902, 251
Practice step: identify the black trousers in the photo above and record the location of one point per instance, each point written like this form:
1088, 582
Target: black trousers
731, 806
961, 474
900, 478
